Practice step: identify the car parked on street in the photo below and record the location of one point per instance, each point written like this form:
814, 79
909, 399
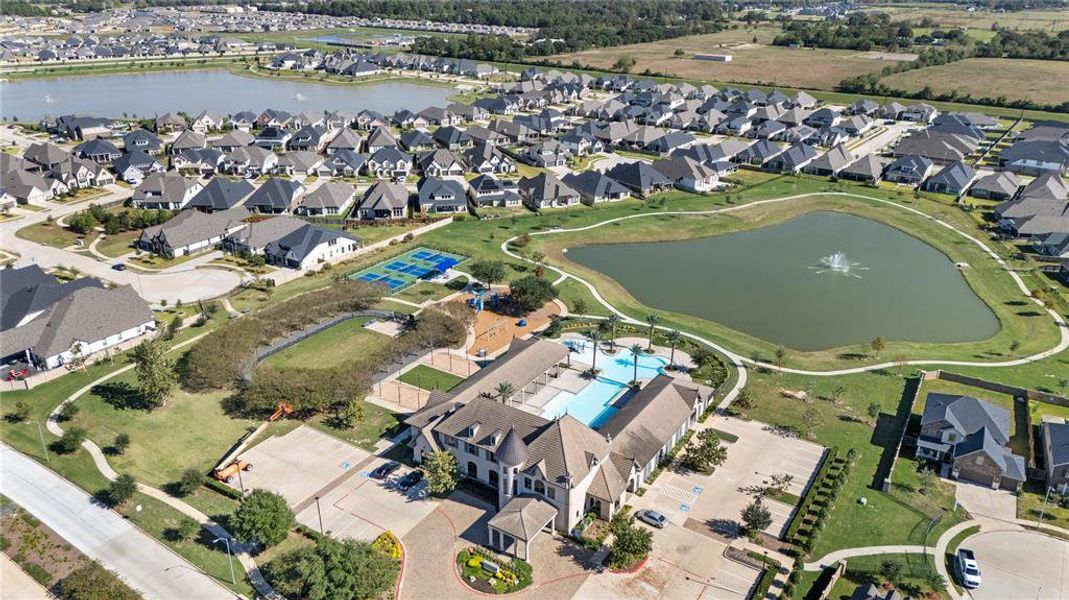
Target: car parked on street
968, 569
652, 518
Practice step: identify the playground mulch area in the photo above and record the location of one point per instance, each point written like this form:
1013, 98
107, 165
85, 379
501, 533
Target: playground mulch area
495, 331
402, 271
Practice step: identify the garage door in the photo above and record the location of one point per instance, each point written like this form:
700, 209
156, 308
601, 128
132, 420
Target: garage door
966, 473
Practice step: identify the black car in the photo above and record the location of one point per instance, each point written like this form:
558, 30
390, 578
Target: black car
383, 471
410, 480
118, 267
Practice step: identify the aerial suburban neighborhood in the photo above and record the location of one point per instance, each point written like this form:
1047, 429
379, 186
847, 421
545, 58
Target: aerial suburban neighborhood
557, 299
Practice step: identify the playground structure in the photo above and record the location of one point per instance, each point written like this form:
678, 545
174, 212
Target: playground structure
495, 330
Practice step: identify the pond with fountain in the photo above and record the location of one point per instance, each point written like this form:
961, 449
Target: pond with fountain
818, 281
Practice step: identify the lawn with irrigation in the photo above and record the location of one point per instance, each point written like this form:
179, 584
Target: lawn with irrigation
331, 347
429, 378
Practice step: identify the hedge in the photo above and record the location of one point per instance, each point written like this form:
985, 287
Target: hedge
810, 496
222, 488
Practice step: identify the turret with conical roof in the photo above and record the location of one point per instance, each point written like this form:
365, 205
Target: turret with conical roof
513, 451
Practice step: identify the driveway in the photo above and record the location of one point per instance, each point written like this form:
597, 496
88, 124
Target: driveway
718, 500
300, 464
1020, 564
985, 502
684, 564
101, 534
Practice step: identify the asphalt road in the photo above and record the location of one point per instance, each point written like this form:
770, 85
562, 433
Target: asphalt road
102, 534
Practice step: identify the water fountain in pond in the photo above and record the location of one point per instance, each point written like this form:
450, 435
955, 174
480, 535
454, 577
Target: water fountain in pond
839, 264
48, 99
299, 97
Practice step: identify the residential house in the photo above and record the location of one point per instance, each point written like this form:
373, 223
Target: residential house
380, 138
952, 179
343, 163
299, 162
868, 169
309, 246
487, 190
221, 194
143, 140
250, 161
201, 161
170, 123
253, 239
441, 163
996, 186
486, 158
595, 187
311, 138
417, 140
232, 140
1036, 157
385, 200
911, 169
452, 138
758, 153
28, 188
98, 150
545, 190
970, 440
135, 165
206, 121
793, 159
1055, 450
191, 231
273, 138
168, 191
437, 195
275, 196
346, 140
640, 177
389, 162
830, 163
330, 198
187, 140
688, 174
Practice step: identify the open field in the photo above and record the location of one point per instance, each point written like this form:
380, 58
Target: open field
48, 234
345, 342
752, 63
1042, 81
957, 16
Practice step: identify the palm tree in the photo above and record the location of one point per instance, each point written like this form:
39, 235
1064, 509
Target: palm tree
636, 349
612, 322
595, 338
673, 338
505, 391
652, 320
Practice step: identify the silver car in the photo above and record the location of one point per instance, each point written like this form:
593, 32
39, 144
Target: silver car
652, 518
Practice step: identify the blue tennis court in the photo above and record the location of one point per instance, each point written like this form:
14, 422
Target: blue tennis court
411, 267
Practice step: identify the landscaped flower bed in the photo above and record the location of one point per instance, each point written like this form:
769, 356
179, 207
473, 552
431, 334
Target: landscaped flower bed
485, 573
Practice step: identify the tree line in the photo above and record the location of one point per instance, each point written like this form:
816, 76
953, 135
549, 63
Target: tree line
127, 219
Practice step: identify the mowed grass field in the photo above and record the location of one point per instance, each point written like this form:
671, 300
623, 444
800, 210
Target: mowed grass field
331, 347
953, 16
757, 63
1042, 81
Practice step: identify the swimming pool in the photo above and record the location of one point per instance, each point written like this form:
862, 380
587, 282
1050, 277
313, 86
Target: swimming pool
593, 404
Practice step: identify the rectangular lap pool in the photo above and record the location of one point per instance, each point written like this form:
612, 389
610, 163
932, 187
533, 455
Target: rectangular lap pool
593, 404
411, 267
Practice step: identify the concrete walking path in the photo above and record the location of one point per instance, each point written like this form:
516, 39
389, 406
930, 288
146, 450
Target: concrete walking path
848, 553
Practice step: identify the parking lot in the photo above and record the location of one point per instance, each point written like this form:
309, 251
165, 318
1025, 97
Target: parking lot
716, 501
361, 507
299, 464
684, 564
1020, 564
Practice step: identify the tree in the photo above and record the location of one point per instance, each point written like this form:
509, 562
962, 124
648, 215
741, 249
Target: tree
874, 410
580, 306
652, 321
624, 64
77, 356
1014, 345
812, 418
20, 414
331, 570
70, 441
756, 517
504, 391
705, 452
927, 478
91, 581
744, 400
121, 443
781, 353
891, 570
442, 472
877, 346
780, 483
530, 293
186, 528
595, 339
156, 377
488, 271
679, 53
636, 351
67, 412
121, 490
262, 516
613, 322
673, 337
191, 479
630, 544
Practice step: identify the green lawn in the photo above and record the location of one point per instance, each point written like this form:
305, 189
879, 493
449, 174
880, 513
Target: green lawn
423, 292
339, 344
117, 244
1030, 506
376, 423
576, 295
376, 233
899, 517
48, 234
429, 378
916, 570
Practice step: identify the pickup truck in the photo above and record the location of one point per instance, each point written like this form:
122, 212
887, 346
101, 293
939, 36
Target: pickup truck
968, 570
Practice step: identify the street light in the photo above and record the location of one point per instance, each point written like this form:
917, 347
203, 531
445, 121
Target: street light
44, 446
1046, 497
229, 558
320, 513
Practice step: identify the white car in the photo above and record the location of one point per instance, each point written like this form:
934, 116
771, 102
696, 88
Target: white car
652, 517
968, 570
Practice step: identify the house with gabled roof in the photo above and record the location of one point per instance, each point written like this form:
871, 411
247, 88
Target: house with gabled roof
1055, 450
168, 191
910, 169
688, 174
640, 177
441, 163
135, 165
221, 194
437, 195
329, 198
309, 246
1002, 185
232, 140
98, 150
389, 162
970, 440
546, 190
831, 162
144, 140
417, 140
275, 196
487, 190
952, 179
595, 187
868, 169
191, 231
385, 200
187, 140
793, 159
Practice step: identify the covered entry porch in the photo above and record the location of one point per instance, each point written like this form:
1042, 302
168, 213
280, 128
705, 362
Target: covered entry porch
513, 529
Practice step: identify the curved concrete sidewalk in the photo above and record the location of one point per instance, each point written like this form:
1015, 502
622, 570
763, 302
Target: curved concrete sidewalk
740, 360
241, 551
848, 553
